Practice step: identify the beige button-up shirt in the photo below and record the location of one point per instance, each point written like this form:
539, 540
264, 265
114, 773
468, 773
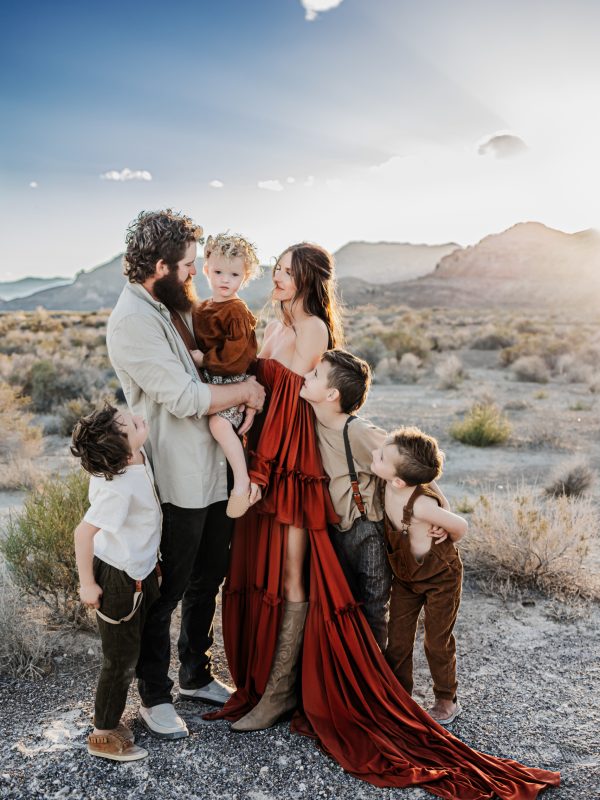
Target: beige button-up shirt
161, 383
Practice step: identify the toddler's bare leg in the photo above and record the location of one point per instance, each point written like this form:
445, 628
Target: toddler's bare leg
224, 433
293, 580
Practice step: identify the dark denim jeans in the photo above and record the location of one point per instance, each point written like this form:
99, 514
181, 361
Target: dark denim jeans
195, 555
120, 643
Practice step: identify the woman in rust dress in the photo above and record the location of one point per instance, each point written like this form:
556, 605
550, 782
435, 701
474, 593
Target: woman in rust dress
347, 698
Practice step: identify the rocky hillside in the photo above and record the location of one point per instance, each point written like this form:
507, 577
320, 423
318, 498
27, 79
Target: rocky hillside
389, 262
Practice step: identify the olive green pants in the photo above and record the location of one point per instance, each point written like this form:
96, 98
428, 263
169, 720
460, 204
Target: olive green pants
120, 642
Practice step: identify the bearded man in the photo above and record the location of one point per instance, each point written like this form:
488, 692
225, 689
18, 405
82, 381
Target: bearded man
148, 338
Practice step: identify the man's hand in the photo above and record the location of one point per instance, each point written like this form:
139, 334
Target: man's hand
255, 493
248, 420
197, 357
255, 394
439, 534
90, 595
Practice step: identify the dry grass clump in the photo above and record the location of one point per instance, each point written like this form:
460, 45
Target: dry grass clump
24, 647
406, 340
573, 370
571, 479
492, 338
18, 437
20, 441
527, 542
369, 348
450, 373
483, 425
38, 547
532, 369
392, 370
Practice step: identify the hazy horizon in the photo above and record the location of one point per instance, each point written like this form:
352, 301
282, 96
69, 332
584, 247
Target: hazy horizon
370, 121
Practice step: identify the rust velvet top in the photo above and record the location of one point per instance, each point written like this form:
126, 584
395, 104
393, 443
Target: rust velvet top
225, 334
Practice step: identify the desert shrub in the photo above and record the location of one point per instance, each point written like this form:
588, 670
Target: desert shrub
530, 543
450, 373
492, 339
571, 479
24, 648
573, 370
39, 549
51, 382
401, 341
18, 437
516, 405
70, 412
406, 370
482, 426
532, 369
369, 348
549, 348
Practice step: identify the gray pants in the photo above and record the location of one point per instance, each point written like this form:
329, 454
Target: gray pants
362, 556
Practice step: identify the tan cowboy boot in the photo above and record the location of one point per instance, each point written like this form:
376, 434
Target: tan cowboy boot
280, 691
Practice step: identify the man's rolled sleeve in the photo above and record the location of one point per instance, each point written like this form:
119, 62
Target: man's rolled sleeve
139, 348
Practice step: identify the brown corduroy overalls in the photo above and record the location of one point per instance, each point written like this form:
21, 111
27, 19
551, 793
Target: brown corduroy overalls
434, 583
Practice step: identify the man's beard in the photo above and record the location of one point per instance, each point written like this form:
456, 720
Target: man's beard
177, 296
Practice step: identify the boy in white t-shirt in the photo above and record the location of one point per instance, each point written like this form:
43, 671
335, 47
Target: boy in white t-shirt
116, 547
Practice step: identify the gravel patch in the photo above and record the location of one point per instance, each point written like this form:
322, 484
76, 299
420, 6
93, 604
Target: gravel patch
529, 687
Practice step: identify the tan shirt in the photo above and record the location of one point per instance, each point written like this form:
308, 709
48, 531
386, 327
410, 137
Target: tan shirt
364, 438
161, 383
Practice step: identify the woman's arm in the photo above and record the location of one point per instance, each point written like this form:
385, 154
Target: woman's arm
312, 338
427, 510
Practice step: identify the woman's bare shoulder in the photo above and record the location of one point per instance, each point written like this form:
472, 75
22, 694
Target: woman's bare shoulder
313, 329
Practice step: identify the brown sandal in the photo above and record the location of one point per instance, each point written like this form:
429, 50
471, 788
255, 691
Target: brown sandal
114, 746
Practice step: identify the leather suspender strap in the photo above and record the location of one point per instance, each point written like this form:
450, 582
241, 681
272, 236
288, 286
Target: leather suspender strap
407, 511
137, 600
356, 495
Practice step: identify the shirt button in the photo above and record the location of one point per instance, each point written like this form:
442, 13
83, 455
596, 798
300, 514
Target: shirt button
221, 463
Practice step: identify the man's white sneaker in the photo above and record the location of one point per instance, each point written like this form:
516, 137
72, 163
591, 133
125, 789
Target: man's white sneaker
214, 693
163, 721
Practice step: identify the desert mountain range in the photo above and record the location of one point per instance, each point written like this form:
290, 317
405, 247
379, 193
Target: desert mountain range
527, 265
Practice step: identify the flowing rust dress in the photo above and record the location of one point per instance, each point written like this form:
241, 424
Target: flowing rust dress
351, 703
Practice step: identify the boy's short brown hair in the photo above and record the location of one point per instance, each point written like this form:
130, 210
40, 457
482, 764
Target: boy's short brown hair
350, 375
101, 443
420, 458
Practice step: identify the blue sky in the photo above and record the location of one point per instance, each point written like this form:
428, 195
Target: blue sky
369, 120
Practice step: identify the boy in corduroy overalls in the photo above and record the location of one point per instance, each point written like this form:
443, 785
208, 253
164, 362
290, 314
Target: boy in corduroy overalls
421, 541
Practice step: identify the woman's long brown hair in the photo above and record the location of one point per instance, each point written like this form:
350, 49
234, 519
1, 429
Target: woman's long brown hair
313, 273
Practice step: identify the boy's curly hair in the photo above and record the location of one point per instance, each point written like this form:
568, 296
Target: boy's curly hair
231, 245
350, 375
156, 235
101, 443
420, 458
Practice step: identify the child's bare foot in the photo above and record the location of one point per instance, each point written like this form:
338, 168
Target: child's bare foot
445, 711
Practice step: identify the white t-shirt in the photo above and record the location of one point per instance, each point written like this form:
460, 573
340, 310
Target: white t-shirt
128, 513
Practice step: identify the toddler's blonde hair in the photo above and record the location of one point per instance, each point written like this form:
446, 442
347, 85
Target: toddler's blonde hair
231, 245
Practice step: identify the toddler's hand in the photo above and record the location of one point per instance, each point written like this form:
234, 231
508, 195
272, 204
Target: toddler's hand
248, 420
437, 533
197, 357
255, 493
90, 595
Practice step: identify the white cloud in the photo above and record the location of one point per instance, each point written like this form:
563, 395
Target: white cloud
310, 181
315, 7
290, 180
271, 186
126, 175
33, 185
502, 145
216, 184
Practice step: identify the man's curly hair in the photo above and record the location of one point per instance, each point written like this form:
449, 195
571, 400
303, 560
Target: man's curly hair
232, 245
101, 443
419, 458
156, 235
